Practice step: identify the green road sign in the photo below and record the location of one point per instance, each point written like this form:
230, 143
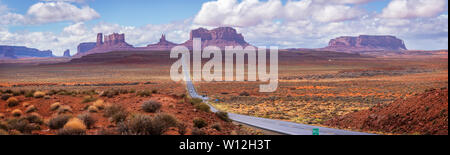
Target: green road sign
315, 132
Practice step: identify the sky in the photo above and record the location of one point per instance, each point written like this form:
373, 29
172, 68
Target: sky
58, 25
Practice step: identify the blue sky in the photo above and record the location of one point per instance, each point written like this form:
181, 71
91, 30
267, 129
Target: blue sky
62, 24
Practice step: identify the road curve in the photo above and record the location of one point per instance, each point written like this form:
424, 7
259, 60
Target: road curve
283, 127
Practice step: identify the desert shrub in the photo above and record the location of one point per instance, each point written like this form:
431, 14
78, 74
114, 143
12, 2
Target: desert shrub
244, 94
146, 125
202, 107
195, 101
58, 122
100, 104
20, 124
2, 116
8, 91
154, 91
151, 106
217, 127
144, 93
26, 104
117, 113
182, 128
29, 93
47, 97
31, 109
197, 131
223, 116
16, 113
92, 109
4, 125
55, 106
3, 132
16, 93
64, 109
110, 93
87, 99
87, 119
74, 126
38, 94
199, 123
34, 118
12, 102
5, 97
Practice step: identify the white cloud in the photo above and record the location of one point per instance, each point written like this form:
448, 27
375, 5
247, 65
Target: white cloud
47, 12
253, 12
414, 8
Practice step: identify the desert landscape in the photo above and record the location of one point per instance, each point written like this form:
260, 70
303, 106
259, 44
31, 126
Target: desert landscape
113, 88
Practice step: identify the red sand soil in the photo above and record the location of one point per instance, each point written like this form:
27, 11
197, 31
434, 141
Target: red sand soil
426, 113
184, 112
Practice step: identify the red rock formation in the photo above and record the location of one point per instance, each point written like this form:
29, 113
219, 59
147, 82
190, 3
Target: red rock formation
220, 37
366, 43
113, 42
66, 53
84, 47
163, 44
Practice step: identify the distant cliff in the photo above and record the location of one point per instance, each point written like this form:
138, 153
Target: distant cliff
110, 43
220, 37
367, 43
14, 52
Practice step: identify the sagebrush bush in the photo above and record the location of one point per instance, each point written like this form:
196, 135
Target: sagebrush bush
151, 106
116, 112
29, 93
217, 126
182, 128
26, 104
2, 116
74, 126
199, 123
146, 125
39, 94
64, 109
3, 132
12, 102
195, 101
34, 118
20, 124
5, 97
87, 119
30, 109
16, 113
58, 122
223, 116
55, 106
197, 131
202, 107
144, 93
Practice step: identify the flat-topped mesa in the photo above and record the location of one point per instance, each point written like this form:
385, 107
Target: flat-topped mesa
367, 43
23, 52
220, 37
110, 43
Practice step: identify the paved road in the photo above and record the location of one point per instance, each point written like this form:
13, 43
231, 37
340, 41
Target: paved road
278, 126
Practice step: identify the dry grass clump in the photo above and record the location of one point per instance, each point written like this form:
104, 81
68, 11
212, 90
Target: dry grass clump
5, 97
87, 119
21, 124
199, 123
12, 102
100, 104
39, 94
87, 99
16, 113
34, 118
202, 107
116, 113
223, 116
64, 109
144, 93
58, 122
197, 131
217, 126
151, 106
55, 106
26, 104
74, 126
2, 116
146, 125
92, 109
31, 109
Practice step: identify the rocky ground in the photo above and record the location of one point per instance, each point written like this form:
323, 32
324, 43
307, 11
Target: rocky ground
425, 113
